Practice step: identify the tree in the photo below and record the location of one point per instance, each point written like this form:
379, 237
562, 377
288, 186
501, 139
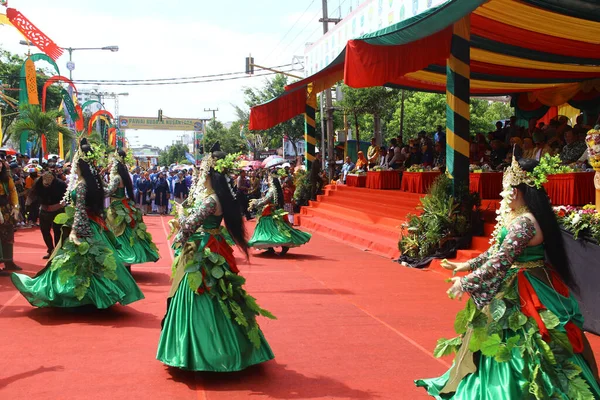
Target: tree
175, 154
358, 102
10, 70
38, 123
292, 130
229, 139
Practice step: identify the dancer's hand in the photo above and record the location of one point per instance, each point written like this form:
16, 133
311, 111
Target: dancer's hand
456, 267
252, 204
1, 218
15, 213
456, 289
73, 237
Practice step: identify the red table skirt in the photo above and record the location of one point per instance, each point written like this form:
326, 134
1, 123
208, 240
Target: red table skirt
383, 180
487, 184
575, 189
356, 180
418, 182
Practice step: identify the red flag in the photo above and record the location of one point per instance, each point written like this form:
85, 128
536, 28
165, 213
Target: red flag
31, 32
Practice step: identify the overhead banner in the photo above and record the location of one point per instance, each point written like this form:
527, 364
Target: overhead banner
167, 124
370, 16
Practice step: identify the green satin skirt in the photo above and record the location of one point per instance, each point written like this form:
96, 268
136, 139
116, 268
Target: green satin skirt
47, 290
270, 233
142, 251
197, 336
504, 380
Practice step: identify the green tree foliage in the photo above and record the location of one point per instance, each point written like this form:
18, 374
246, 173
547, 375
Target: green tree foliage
271, 138
229, 139
175, 154
10, 70
33, 120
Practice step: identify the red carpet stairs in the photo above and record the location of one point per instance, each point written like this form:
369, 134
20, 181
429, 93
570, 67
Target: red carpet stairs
371, 219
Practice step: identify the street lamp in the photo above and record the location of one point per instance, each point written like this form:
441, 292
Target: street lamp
71, 64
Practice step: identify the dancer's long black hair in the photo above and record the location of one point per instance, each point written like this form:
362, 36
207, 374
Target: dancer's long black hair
94, 196
231, 208
124, 174
538, 202
279, 190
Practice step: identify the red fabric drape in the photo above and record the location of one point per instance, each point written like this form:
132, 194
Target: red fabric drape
418, 182
551, 114
79, 123
383, 180
575, 188
278, 110
44, 147
501, 70
356, 180
499, 32
372, 65
221, 247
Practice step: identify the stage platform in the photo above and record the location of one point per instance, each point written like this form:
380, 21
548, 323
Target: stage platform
371, 219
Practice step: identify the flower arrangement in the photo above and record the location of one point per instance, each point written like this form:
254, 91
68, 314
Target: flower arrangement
593, 142
229, 163
549, 165
358, 172
416, 168
580, 220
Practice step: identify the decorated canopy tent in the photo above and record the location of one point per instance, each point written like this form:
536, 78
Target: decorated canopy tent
548, 50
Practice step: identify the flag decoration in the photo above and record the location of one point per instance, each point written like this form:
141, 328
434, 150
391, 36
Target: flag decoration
44, 147
52, 80
33, 34
79, 122
99, 114
31, 82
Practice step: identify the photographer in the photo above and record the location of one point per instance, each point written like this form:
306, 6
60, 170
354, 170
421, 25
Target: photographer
9, 214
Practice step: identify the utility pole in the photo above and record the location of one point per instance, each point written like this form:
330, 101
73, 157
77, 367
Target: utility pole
328, 103
214, 112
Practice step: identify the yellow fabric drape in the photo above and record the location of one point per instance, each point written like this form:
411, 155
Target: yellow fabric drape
561, 94
31, 81
4, 20
61, 151
511, 61
440, 79
1, 134
569, 112
524, 16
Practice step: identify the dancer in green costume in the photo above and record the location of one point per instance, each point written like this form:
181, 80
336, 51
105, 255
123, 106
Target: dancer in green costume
125, 220
273, 228
84, 268
520, 335
210, 324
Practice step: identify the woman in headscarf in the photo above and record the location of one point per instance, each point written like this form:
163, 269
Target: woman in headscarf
210, 324
520, 335
362, 163
125, 220
273, 228
85, 268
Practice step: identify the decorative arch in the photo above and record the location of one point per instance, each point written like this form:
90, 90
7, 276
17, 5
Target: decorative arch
102, 114
56, 78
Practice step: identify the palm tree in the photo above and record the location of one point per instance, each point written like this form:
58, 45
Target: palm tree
33, 120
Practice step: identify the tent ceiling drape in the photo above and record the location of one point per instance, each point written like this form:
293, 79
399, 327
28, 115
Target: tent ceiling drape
516, 46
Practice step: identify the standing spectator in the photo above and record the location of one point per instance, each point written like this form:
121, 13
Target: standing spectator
288, 198
189, 178
181, 190
426, 155
134, 178
242, 189
254, 192
373, 153
9, 213
144, 188
512, 130
439, 136
315, 179
161, 194
32, 204
49, 191
498, 134
17, 177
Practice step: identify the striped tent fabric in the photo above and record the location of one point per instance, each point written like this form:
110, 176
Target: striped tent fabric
549, 49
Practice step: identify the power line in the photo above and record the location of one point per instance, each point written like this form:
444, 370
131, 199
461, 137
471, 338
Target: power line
299, 33
289, 30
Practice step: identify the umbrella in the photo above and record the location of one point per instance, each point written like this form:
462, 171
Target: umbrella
8, 151
255, 164
273, 161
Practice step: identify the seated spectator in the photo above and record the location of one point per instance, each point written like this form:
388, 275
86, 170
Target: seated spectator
346, 168
382, 161
474, 155
497, 154
398, 157
528, 149
541, 147
390, 155
405, 151
427, 155
361, 164
574, 148
414, 157
516, 146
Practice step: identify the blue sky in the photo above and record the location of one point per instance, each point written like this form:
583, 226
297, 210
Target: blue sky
174, 38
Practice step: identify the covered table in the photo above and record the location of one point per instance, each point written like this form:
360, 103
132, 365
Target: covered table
575, 188
487, 184
356, 180
383, 180
418, 182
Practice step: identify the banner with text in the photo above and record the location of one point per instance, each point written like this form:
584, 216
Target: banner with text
167, 124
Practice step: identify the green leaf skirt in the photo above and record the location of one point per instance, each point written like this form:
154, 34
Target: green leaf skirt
75, 277
510, 359
271, 232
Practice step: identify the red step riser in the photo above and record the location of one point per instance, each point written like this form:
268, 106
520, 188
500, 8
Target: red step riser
379, 229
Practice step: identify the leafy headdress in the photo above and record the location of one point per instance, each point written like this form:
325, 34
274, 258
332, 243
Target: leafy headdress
90, 157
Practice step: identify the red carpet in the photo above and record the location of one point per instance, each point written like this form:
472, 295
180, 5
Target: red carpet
352, 325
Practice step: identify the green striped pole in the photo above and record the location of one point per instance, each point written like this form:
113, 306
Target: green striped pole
458, 84
310, 126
